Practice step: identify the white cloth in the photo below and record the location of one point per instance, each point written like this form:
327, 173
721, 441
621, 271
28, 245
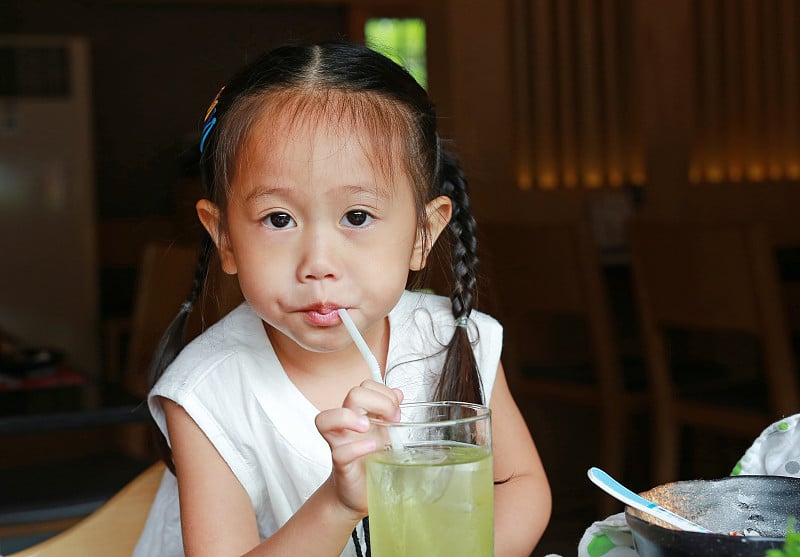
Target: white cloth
776, 452
231, 383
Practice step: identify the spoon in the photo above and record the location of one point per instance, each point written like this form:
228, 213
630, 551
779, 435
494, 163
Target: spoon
618, 491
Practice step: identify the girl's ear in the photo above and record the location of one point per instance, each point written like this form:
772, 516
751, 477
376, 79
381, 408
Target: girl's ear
437, 214
209, 215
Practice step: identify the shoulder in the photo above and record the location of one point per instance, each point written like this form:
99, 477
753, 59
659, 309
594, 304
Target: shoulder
211, 375
422, 325
221, 349
438, 311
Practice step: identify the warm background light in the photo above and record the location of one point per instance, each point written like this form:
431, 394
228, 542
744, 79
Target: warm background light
575, 94
578, 90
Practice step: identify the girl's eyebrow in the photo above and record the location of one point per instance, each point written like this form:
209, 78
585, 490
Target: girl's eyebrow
266, 192
373, 190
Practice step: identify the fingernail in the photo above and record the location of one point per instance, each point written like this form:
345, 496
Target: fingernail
363, 421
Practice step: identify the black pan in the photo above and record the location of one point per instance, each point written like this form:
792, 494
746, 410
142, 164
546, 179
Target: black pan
738, 503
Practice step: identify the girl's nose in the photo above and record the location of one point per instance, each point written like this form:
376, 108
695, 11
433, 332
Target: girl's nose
318, 258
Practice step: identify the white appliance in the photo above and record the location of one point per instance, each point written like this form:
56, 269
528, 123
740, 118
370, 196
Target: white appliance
48, 262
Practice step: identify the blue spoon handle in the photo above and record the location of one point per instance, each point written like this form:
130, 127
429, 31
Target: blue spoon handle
618, 491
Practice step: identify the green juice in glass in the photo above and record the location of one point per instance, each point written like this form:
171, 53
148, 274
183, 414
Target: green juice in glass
431, 499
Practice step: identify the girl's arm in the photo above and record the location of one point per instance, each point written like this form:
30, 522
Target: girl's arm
522, 504
216, 514
217, 517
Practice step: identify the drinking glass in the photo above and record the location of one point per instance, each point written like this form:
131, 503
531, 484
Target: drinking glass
430, 486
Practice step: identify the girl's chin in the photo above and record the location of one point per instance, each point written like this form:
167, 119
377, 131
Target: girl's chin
319, 340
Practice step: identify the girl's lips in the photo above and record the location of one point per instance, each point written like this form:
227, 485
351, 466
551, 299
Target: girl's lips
322, 316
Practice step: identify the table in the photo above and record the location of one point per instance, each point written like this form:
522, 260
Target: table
61, 459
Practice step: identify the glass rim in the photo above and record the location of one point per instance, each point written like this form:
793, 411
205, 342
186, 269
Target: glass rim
481, 412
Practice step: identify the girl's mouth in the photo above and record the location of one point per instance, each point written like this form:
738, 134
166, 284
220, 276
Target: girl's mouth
323, 315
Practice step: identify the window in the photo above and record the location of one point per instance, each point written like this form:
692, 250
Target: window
402, 40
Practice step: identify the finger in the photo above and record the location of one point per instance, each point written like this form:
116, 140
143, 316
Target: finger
396, 394
341, 420
381, 388
347, 453
375, 402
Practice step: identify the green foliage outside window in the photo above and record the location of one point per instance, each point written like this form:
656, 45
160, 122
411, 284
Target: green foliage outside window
402, 40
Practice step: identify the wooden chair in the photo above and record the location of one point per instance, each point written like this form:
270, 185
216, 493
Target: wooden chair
164, 281
112, 530
709, 278
545, 272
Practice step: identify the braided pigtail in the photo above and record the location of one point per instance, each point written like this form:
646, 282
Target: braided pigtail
174, 338
460, 379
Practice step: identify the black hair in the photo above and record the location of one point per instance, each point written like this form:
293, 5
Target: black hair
373, 92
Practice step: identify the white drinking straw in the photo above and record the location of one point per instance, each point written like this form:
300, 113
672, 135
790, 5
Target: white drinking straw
372, 362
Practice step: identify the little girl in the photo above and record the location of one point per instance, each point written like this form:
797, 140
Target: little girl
327, 187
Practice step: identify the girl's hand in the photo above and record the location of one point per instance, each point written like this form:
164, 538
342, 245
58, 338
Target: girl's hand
345, 429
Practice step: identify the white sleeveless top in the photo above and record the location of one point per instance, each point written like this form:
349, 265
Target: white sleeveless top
230, 382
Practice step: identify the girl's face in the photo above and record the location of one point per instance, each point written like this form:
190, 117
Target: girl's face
313, 225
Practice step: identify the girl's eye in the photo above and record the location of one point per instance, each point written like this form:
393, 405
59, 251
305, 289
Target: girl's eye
356, 218
279, 220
